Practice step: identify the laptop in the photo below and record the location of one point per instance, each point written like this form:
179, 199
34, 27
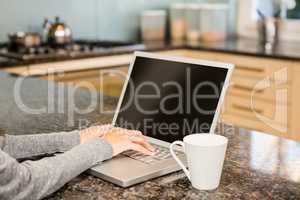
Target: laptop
166, 98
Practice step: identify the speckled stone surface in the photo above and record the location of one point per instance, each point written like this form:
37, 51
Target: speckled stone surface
257, 166
45, 106
242, 46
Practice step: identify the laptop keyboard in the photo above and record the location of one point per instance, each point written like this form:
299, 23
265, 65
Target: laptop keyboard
161, 153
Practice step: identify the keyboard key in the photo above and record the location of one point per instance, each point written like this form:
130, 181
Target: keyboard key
161, 153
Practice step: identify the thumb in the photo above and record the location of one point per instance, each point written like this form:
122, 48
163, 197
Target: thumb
141, 149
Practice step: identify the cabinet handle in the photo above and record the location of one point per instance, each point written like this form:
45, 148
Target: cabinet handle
250, 69
249, 89
244, 108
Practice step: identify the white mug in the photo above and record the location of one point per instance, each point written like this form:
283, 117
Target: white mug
205, 157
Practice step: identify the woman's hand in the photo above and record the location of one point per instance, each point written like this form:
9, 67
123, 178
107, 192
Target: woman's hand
94, 132
122, 140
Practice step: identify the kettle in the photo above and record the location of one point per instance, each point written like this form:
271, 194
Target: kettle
57, 33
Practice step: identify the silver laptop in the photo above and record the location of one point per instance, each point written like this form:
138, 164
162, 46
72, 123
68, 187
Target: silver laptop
165, 98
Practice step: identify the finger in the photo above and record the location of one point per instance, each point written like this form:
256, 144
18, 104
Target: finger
98, 131
103, 129
142, 141
106, 126
133, 132
136, 132
121, 130
141, 149
140, 136
116, 130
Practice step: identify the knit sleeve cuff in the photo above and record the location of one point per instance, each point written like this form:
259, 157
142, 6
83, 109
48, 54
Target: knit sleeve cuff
102, 149
69, 140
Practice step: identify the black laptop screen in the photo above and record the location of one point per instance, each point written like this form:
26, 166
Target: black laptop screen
168, 100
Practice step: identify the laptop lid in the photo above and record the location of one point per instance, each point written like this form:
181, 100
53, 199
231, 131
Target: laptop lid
167, 98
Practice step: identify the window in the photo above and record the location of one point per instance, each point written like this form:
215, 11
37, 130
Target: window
290, 9
247, 18
294, 13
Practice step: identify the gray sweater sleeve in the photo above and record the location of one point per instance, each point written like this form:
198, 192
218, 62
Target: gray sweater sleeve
37, 179
24, 146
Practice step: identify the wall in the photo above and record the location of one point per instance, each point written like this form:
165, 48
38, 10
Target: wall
89, 19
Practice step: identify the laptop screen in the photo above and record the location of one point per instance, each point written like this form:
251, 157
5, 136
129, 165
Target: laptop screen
168, 100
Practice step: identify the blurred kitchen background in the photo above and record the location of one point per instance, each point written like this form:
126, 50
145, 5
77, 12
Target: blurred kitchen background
120, 19
111, 19
89, 19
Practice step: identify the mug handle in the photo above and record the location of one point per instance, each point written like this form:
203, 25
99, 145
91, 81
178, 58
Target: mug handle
187, 173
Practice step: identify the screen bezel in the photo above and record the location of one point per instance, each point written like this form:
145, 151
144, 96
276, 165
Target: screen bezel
202, 63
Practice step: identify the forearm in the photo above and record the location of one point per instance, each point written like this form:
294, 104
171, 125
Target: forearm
25, 146
37, 179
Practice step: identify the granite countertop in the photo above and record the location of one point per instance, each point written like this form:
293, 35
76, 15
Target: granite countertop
283, 50
257, 165
251, 47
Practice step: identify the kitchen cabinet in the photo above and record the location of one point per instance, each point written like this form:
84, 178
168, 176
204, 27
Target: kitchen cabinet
263, 93
108, 81
105, 74
71, 65
295, 101
19, 70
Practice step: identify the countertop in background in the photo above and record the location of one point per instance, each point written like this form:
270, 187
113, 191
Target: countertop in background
284, 50
257, 166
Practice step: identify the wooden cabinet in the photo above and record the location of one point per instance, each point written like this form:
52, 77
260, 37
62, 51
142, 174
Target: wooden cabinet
263, 94
19, 70
108, 81
105, 74
71, 65
295, 101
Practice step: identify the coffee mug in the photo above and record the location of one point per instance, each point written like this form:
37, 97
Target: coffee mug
205, 157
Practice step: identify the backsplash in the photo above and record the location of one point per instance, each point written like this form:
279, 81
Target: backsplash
89, 19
